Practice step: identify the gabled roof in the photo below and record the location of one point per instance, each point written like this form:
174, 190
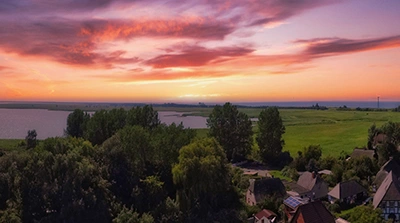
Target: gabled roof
297, 188
308, 180
265, 213
313, 212
390, 165
379, 139
360, 152
346, 189
341, 220
326, 172
267, 186
389, 190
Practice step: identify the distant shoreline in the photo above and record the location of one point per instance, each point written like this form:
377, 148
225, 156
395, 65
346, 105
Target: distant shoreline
94, 106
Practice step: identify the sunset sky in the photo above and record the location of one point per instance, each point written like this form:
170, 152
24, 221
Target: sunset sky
199, 50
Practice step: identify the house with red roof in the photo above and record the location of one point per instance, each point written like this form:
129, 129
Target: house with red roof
265, 216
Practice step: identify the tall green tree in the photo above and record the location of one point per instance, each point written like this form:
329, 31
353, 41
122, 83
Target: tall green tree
76, 123
98, 129
201, 162
269, 137
232, 129
144, 116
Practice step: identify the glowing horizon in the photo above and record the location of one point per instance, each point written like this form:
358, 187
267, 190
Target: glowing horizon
190, 51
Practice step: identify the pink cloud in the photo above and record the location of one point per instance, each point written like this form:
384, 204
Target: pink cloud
332, 46
197, 56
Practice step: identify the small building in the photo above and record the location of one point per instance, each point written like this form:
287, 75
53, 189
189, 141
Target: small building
310, 185
265, 216
260, 189
313, 212
387, 197
348, 192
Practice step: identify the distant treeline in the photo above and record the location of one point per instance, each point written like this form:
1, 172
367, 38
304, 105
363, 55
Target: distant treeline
88, 106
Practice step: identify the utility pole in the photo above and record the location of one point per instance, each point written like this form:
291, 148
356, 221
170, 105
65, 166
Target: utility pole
378, 102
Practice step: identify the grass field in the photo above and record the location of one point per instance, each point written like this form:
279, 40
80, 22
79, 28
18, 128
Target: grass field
334, 130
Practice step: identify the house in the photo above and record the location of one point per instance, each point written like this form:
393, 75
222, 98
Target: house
310, 185
260, 189
292, 203
265, 216
348, 192
387, 197
360, 152
313, 212
390, 165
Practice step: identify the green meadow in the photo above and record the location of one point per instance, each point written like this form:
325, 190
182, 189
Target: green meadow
334, 130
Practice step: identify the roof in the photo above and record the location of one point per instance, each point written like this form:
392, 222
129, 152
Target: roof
341, 220
266, 186
294, 202
389, 190
265, 213
390, 165
297, 188
251, 173
360, 152
346, 189
313, 212
308, 180
327, 172
379, 139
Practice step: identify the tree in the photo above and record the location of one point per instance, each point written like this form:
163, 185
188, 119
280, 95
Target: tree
130, 216
201, 162
269, 137
362, 214
372, 132
76, 123
30, 139
143, 116
232, 129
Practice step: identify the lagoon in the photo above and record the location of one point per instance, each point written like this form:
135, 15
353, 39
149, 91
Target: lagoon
15, 123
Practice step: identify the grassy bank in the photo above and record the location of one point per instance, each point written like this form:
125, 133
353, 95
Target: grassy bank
10, 144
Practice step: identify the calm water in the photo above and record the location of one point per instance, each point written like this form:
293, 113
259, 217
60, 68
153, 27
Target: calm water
15, 123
